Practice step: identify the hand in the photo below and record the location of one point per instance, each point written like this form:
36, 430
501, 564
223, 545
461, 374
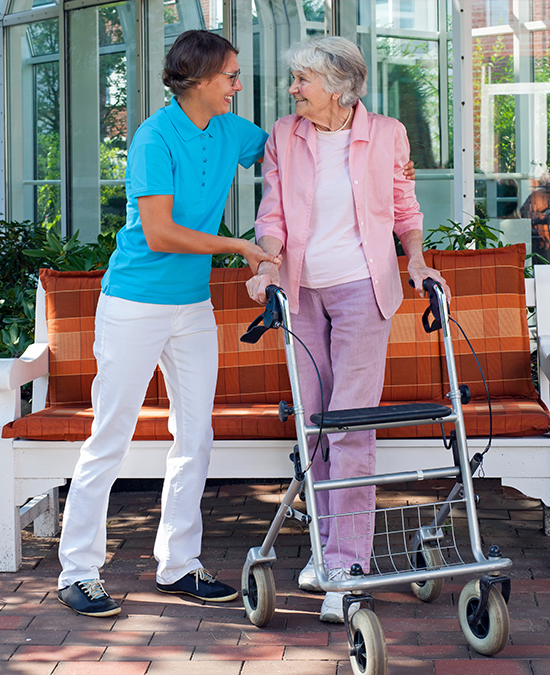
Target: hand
408, 170
420, 272
256, 285
254, 255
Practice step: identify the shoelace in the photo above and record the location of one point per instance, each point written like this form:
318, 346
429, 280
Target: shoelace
93, 588
202, 574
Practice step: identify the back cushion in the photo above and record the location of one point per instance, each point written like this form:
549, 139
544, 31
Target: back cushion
489, 303
71, 299
413, 367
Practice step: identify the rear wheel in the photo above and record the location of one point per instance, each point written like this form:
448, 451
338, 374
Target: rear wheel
428, 557
259, 594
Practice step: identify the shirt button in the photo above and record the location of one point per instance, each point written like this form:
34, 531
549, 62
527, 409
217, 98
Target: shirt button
205, 160
371, 260
362, 223
203, 186
356, 182
204, 173
376, 281
203, 137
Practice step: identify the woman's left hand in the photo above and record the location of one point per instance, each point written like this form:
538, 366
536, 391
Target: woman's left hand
419, 272
408, 170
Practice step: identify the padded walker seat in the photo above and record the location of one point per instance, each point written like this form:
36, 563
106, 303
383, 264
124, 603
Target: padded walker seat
388, 414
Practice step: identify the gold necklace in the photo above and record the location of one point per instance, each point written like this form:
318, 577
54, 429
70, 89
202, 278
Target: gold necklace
328, 133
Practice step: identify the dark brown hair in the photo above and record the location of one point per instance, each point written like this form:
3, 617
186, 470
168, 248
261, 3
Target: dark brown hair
195, 55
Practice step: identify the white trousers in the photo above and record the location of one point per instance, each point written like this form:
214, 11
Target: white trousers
130, 339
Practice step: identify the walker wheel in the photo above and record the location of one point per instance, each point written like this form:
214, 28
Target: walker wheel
490, 635
428, 557
371, 656
259, 594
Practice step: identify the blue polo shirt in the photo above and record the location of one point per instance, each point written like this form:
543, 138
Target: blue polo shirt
169, 155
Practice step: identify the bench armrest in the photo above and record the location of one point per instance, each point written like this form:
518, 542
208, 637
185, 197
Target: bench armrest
544, 354
34, 363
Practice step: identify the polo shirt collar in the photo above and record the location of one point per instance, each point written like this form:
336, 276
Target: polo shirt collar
185, 128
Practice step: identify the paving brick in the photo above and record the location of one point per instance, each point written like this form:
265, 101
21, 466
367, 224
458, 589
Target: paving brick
13, 622
271, 638
37, 637
58, 653
433, 652
334, 652
290, 668
159, 653
104, 638
223, 653
6, 652
155, 623
195, 668
102, 668
221, 637
23, 668
70, 620
483, 666
541, 666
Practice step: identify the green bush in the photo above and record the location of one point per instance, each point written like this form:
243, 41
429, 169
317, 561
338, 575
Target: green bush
25, 248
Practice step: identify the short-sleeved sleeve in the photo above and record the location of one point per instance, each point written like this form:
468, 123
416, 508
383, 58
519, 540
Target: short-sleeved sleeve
150, 169
253, 141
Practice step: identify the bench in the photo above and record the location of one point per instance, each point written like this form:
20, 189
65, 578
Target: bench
40, 450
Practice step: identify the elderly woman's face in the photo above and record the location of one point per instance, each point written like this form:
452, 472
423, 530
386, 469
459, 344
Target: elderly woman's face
312, 101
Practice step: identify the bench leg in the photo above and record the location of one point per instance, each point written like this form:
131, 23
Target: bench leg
47, 524
546, 519
10, 525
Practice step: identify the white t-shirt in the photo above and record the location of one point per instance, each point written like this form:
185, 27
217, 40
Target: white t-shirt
334, 252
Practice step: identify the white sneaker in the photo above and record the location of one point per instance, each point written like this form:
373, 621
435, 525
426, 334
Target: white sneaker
307, 581
332, 609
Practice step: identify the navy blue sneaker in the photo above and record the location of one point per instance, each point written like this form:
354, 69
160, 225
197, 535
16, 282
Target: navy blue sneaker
202, 585
88, 597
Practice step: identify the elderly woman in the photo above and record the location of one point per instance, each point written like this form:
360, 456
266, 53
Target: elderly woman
334, 195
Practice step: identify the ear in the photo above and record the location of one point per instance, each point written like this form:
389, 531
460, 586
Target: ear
335, 97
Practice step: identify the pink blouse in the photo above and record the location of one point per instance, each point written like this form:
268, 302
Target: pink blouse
384, 200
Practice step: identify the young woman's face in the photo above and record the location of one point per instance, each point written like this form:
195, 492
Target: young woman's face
216, 93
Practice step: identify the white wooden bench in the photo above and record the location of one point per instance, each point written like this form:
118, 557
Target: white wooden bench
33, 470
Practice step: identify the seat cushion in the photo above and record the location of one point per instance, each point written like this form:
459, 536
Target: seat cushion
511, 417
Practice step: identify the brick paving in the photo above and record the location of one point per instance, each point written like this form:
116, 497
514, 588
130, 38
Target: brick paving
158, 634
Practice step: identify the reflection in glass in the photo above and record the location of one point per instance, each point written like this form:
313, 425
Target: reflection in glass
401, 14
26, 5
408, 89
33, 123
103, 114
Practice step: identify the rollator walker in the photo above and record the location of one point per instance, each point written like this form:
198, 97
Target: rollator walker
415, 544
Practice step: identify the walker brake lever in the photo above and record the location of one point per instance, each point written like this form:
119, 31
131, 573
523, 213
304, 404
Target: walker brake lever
271, 317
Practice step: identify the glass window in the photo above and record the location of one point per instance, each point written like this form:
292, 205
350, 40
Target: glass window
33, 123
403, 14
511, 77
408, 89
103, 114
26, 5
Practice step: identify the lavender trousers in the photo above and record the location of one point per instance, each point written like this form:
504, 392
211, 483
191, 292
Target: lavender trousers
347, 336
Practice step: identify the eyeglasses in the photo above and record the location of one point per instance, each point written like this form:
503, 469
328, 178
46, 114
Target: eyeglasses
234, 76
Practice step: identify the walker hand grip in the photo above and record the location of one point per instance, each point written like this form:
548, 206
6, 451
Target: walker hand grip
429, 285
271, 317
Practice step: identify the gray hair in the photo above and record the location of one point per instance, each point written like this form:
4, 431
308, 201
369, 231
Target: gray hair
337, 61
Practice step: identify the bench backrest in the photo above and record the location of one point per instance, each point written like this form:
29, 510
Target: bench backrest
488, 301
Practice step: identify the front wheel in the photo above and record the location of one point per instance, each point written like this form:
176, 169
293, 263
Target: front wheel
259, 594
371, 657
428, 557
490, 635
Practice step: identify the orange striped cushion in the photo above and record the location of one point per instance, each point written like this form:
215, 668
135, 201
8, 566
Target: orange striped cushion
489, 303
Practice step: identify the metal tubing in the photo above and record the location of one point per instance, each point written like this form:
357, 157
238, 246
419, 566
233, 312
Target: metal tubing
375, 581
301, 436
280, 517
455, 397
386, 478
